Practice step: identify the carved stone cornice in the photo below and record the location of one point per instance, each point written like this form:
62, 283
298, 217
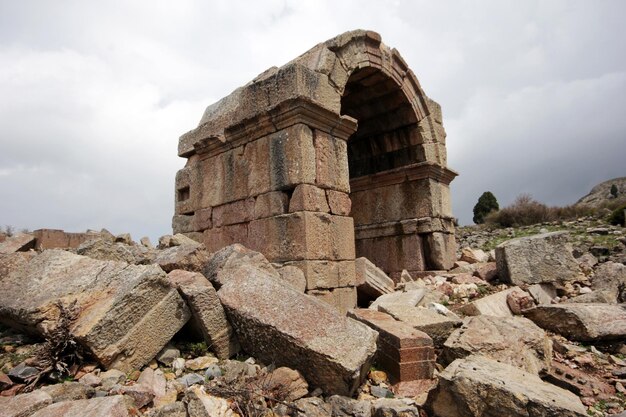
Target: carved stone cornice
284, 115
413, 172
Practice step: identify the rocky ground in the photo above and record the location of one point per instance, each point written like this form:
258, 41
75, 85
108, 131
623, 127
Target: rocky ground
530, 322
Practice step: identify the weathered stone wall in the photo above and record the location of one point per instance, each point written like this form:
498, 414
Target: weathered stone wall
283, 166
59, 239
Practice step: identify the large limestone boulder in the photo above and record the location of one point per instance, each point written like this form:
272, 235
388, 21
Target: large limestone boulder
535, 259
482, 387
516, 341
124, 313
277, 324
113, 406
582, 321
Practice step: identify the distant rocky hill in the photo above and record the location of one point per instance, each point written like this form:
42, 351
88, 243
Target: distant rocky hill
601, 193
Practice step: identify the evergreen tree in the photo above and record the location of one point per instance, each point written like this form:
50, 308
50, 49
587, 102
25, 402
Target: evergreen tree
485, 205
614, 191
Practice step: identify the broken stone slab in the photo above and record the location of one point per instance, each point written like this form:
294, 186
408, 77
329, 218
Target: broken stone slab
387, 407
113, 406
124, 313
347, 407
600, 296
436, 325
583, 322
201, 404
219, 267
491, 305
208, 319
371, 281
277, 324
545, 257
516, 341
479, 387
486, 271
406, 298
24, 405
20, 242
610, 277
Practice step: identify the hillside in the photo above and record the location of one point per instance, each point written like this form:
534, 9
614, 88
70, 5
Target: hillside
601, 193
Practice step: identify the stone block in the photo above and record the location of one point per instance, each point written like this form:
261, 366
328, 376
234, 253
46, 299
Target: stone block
24, 405
223, 264
405, 353
293, 276
407, 298
537, 259
371, 280
516, 341
202, 219
439, 250
343, 298
308, 197
478, 386
327, 274
208, 319
292, 157
582, 321
183, 223
303, 235
331, 162
491, 305
437, 326
393, 253
339, 202
240, 211
126, 313
271, 204
331, 351
113, 406
220, 237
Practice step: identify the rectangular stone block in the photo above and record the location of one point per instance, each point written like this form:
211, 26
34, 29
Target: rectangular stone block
339, 202
308, 197
303, 236
291, 157
202, 219
183, 223
271, 204
371, 280
405, 353
327, 274
393, 253
343, 299
406, 200
331, 162
187, 191
232, 213
219, 237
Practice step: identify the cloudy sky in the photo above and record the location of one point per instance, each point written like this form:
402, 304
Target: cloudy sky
94, 95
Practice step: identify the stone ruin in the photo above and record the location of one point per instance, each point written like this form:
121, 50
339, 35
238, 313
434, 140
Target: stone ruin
337, 154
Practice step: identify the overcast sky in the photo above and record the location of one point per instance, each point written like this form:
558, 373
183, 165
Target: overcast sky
94, 95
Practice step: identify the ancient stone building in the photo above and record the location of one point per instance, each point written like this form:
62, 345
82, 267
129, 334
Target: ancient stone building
335, 155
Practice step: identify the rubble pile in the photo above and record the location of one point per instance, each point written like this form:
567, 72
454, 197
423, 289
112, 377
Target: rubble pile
534, 326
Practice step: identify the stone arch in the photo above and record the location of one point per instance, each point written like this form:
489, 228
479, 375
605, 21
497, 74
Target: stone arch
337, 154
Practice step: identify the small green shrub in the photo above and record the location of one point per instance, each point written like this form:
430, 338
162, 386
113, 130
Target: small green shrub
617, 216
